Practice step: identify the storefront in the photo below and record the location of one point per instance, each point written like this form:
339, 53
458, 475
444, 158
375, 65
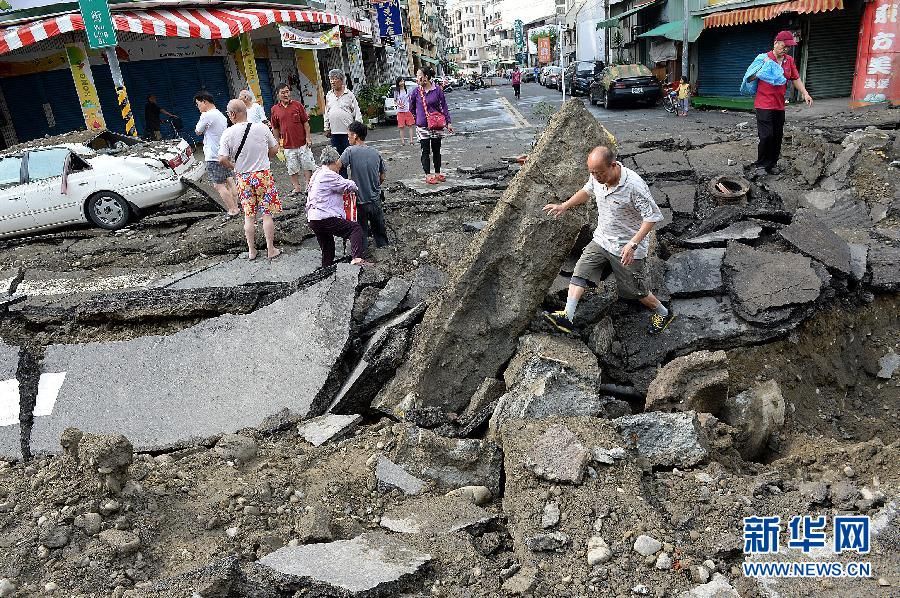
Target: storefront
831, 52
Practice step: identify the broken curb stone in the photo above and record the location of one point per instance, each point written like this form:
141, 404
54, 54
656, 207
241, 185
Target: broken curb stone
694, 382
665, 439
357, 567
392, 475
319, 430
511, 263
558, 456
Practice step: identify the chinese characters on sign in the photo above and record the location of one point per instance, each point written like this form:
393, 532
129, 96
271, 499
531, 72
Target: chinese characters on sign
544, 50
415, 19
84, 86
98, 24
851, 533
878, 56
519, 40
389, 23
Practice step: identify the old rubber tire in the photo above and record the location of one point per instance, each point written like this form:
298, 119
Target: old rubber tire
108, 210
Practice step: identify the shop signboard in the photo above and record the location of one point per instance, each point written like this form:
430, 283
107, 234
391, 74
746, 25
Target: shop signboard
877, 79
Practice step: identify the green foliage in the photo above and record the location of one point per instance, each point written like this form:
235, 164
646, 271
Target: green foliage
371, 99
551, 33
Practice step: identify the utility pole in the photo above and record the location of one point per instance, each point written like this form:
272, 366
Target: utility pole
121, 92
562, 63
684, 39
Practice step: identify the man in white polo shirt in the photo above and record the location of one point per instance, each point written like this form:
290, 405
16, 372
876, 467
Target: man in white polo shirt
626, 213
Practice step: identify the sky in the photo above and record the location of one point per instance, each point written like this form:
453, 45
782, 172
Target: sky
527, 10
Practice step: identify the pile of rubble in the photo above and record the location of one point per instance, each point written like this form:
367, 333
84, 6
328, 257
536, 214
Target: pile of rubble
439, 440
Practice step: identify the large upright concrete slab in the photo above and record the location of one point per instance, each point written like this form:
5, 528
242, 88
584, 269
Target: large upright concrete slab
288, 267
502, 278
222, 375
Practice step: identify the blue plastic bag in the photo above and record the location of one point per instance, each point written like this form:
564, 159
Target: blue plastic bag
766, 70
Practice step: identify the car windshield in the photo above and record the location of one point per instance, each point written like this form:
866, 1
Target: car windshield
585, 69
10, 168
45, 164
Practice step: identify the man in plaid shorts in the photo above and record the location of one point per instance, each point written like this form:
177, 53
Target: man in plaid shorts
211, 125
247, 147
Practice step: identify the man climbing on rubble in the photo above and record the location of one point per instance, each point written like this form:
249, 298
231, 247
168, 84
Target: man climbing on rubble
626, 213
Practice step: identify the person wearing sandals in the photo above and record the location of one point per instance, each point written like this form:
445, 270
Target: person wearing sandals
429, 109
405, 118
325, 209
290, 123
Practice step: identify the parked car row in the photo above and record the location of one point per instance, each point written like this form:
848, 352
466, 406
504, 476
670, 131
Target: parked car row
616, 85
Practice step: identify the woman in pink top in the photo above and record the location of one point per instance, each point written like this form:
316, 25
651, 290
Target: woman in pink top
325, 209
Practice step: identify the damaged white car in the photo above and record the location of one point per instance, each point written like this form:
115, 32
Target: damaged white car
106, 180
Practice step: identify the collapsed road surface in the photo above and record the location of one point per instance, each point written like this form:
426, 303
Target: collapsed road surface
227, 444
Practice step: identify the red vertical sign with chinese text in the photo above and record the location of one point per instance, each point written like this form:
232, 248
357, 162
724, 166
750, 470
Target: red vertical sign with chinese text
544, 50
877, 78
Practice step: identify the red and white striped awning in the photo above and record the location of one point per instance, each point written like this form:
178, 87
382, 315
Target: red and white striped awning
192, 22
767, 13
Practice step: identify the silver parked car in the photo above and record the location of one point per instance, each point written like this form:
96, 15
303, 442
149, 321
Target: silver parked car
390, 107
105, 181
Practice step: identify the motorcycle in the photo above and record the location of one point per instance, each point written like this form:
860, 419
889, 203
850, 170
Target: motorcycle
670, 102
477, 83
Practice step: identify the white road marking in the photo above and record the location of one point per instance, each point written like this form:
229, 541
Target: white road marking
9, 402
48, 391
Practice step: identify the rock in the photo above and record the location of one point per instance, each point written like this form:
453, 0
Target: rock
7, 588
884, 264
123, 543
734, 232
815, 492
104, 458
640, 590
89, 523
646, 545
474, 226
522, 582
665, 439
431, 516
477, 495
236, 448
762, 283
812, 237
602, 456
550, 376
695, 272
388, 301
550, 516
481, 406
757, 413
663, 562
717, 588
859, 253
558, 456
510, 264
598, 551
888, 364
315, 525
695, 382
319, 430
366, 565
699, 574
548, 542
54, 536
392, 475
450, 463
426, 281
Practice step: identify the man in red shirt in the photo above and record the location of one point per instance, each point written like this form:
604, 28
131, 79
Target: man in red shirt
769, 104
291, 126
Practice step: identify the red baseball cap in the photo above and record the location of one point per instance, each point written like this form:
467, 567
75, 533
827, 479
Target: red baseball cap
787, 37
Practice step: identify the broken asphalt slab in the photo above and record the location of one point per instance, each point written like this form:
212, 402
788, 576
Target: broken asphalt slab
290, 266
695, 272
812, 237
219, 376
371, 564
737, 231
455, 182
434, 515
10, 440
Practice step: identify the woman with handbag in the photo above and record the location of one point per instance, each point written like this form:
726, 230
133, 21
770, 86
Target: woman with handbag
429, 109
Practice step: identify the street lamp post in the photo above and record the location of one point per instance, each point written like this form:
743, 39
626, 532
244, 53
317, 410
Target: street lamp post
684, 39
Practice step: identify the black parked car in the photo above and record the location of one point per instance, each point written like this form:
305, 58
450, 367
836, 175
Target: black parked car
626, 84
579, 76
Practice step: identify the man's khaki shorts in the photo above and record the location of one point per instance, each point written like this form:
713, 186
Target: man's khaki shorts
299, 158
595, 265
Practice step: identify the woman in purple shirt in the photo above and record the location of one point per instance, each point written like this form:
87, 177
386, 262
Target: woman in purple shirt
429, 99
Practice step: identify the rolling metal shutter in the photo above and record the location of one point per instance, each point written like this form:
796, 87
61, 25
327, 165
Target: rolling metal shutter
831, 53
26, 96
265, 84
726, 52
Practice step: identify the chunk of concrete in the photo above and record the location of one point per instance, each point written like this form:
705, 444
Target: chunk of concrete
694, 382
761, 280
391, 475
665, 439
717, 588
888, 364
481, 406
143, 393
695, 272
388, 301
434, 516
319, 430
812, 237
859, 253
734, 232
502, 278
884, 264
449, 462
10, 441
369, 564
558, 456
104, 458
539, 352
757, 413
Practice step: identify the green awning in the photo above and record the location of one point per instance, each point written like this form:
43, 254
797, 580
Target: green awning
429, 59
675, 30
614, 21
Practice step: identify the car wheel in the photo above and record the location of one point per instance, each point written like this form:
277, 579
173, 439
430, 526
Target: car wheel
108, 210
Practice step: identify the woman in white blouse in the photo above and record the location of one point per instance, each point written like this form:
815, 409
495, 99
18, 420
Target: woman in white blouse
255, 112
